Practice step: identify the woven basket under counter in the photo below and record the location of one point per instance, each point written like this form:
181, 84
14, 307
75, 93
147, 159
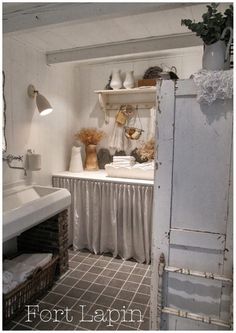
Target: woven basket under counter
27, 292
48, 236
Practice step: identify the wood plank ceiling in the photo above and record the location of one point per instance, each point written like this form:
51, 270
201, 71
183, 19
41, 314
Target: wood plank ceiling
65, 27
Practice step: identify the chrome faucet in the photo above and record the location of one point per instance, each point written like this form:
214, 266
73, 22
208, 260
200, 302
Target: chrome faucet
9, 158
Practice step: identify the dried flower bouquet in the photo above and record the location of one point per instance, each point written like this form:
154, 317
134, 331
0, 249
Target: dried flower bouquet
90, 136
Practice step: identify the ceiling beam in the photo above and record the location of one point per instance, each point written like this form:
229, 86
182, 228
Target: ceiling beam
126, 48
23, 16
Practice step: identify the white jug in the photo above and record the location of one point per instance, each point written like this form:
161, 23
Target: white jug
129, 80
76, 161
116, 82
216, 55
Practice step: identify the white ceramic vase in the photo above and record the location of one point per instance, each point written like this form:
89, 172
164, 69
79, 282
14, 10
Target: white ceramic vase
116, 82
129, 80
216, 55
76, 164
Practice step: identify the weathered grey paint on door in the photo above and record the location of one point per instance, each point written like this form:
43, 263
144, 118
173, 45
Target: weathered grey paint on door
192, 222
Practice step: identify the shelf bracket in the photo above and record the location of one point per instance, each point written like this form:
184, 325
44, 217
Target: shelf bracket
103, 103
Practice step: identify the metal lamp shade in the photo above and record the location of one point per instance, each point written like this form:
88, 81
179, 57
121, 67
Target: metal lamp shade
43, 105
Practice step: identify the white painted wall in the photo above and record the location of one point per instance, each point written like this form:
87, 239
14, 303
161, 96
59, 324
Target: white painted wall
92, 77
70, 90
52, 135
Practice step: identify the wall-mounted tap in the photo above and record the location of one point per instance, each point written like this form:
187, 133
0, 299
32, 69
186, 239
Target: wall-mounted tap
9, 158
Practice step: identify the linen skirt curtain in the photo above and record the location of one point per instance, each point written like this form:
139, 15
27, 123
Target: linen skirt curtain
110, 217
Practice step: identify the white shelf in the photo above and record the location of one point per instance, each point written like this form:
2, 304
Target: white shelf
142, 98
141, 90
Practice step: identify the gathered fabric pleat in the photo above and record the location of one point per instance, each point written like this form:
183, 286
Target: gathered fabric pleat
110, 217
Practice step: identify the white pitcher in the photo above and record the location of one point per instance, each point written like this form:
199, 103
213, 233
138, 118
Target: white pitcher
76, 161
129, 80
216, 55
116, 82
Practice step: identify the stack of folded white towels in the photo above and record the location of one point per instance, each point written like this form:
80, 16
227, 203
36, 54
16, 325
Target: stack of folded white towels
123, 161
17, 270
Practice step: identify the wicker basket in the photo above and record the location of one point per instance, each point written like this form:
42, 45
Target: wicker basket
27, 292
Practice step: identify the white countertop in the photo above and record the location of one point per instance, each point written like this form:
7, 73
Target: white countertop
101, 175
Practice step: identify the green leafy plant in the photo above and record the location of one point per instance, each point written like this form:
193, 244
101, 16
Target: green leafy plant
212, 25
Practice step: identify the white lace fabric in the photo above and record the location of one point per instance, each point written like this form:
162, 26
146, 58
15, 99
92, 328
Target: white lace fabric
212, 85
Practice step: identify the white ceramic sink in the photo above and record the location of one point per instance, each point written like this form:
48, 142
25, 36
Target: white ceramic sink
26, 206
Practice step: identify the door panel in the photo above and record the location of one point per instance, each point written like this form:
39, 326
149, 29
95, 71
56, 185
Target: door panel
192, 217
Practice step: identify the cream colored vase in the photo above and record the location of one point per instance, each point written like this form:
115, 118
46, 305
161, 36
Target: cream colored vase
116, 82
216, 56
91, 161
76, 160
129, 80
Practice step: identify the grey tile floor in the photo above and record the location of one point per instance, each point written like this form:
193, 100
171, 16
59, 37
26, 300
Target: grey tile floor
100, 292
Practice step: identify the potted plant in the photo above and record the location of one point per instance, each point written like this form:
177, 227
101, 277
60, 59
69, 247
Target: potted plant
90, 137
216, 31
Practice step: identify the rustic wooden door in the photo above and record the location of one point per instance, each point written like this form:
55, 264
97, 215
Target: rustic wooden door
192, 218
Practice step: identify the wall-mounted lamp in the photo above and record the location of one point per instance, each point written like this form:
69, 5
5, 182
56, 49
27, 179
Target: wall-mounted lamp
43, 105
